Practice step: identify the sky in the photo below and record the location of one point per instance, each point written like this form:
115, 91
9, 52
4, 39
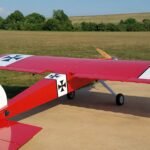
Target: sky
74, 7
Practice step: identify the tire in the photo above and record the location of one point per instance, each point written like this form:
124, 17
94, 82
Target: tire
71, 95
120, 99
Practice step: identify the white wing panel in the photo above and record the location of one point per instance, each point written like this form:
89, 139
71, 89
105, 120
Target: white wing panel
12, 58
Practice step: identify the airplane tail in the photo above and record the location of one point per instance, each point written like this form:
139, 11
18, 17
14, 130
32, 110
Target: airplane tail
14, 134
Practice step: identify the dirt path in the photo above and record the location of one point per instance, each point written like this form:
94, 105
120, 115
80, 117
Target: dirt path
93, 122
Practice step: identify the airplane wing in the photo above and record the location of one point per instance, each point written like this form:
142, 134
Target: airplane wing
120, 70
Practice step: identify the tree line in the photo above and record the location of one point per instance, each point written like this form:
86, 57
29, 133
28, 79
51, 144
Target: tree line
61, 22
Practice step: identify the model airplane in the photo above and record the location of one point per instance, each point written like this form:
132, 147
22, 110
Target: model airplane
69, 75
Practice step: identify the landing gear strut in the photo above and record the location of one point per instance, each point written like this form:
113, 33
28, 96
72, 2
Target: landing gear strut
119, 97
71, 95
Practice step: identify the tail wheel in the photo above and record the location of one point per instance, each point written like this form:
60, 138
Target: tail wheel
120, 99
71, 95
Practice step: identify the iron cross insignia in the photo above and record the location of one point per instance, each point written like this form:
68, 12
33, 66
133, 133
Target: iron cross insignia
9, 58
54, 76
62, 86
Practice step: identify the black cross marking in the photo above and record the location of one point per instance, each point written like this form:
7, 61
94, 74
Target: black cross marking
62, 86
53, 76
8, 58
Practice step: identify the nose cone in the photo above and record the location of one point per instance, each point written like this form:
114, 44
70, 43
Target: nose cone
3, 98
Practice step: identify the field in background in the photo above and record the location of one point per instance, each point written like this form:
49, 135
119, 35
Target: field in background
131, 45
110, 18
72, 44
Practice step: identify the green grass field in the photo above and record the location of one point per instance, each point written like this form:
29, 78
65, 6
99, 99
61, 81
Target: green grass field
110, 18
71, 44
131, 45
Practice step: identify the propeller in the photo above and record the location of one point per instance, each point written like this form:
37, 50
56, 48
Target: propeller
105, 55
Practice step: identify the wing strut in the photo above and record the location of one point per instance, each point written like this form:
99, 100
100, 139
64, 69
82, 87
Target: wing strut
119, 97
107, 87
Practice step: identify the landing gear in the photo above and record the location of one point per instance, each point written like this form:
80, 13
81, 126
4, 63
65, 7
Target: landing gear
71, 95
120, 99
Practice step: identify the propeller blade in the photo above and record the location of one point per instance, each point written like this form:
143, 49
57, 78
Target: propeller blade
103, 53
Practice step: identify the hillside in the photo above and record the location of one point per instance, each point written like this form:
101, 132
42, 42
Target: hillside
110, 18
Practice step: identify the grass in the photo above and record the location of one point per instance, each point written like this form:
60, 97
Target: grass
135, 45
131, 45
110, 18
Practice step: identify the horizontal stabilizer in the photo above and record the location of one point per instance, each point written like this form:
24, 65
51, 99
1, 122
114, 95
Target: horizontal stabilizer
14, 134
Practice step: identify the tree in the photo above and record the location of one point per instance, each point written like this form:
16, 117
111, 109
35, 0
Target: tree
122, 26
139, 27
84, 26
51, 25
77, 27
14, 20
111, 27
34, 21
63, 22
130, 21
146, 23
132, 24
1, 22
60, 15
101, 27
34, 18
89, 26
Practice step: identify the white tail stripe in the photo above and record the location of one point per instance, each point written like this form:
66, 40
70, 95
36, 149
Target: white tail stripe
3, 98
12, 58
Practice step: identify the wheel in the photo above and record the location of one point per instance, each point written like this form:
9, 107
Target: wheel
120, 99
71, 95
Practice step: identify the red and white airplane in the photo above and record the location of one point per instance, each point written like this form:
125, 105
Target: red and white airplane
69, 75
